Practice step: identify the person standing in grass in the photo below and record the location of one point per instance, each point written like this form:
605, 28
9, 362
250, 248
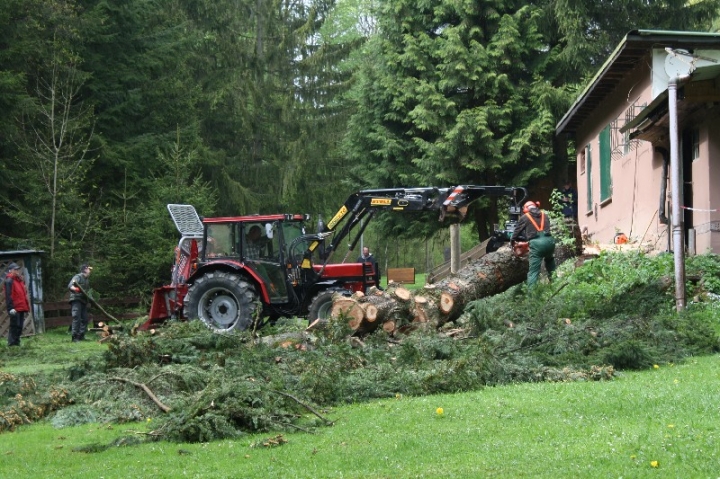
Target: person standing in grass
16, 298
78, 286
367, 257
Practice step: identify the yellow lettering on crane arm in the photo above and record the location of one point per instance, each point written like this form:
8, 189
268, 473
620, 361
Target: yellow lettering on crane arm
338, 216
381, 202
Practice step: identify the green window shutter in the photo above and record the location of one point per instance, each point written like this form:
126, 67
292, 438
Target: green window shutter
588, 174
605, 163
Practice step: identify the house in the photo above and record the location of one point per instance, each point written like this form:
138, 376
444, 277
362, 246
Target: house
621, 126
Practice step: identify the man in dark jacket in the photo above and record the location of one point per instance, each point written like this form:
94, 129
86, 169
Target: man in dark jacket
16, 297
367, 257
569, 201
78, 286
534, 227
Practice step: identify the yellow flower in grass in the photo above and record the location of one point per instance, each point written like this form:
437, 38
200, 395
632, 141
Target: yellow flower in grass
440, 411
654, 464
655, 366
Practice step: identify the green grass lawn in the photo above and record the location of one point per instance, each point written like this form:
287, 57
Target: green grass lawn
48, 352
659, 423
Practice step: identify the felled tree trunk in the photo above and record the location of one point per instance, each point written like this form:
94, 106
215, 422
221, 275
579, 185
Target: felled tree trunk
399, 309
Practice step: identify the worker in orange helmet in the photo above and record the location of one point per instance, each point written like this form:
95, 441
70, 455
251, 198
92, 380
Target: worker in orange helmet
534, 227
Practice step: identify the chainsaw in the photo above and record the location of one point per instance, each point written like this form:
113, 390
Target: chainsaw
520, 248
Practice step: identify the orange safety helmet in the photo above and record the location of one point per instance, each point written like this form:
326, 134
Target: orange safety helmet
528, 205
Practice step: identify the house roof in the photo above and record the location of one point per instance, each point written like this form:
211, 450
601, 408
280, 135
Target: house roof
20, 252
631, 49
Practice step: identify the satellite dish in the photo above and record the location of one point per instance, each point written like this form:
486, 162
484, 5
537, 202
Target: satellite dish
679, 63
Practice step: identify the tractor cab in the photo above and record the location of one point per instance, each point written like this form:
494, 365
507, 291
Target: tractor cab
257, 245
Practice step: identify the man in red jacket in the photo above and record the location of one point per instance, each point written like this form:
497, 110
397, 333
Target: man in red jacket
17, 303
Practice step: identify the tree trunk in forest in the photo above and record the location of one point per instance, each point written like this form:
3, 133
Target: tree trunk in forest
398, 309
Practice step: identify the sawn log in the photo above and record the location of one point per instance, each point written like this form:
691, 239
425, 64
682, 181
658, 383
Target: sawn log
399, 309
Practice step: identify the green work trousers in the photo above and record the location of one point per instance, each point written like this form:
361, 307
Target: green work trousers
542, 247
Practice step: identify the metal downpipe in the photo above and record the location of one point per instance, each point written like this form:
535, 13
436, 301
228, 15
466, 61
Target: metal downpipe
676, 192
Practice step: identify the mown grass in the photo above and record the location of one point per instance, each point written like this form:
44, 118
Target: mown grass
48, 352
658, 423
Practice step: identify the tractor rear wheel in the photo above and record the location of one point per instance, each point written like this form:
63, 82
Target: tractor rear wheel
223, 301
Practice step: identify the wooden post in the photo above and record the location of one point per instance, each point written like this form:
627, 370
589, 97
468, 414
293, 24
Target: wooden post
454, 248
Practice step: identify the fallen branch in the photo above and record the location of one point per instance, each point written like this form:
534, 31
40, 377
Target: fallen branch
147, 390
299, 427
328, 422
95, 303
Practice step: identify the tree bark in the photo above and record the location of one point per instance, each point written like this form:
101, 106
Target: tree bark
398, 309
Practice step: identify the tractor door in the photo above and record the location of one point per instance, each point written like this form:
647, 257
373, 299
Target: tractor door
262, 251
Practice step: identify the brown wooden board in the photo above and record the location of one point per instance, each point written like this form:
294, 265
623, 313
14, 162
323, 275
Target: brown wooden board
401, 275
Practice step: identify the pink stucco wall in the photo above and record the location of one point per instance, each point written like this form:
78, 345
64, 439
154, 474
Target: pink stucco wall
634, 205
706, 193
636, 174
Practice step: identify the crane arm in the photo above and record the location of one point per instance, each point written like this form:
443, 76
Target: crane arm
450, 202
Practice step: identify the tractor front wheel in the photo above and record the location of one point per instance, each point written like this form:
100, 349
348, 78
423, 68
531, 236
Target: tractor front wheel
223, 301
321, 305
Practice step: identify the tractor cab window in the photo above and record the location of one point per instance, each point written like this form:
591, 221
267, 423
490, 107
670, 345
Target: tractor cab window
220, 241
261, 252
292, 231
260, 241
274, 238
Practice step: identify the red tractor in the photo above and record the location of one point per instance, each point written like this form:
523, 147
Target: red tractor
234, 272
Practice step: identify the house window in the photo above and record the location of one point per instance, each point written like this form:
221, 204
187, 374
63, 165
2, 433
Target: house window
695, 140
626, 142
581, 160
605, 164
588, 170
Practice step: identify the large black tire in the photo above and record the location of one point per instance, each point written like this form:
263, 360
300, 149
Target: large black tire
223, 301
322, 304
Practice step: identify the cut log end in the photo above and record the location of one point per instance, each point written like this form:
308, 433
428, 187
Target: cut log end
371, 313
389, 327
402, 294
446, 302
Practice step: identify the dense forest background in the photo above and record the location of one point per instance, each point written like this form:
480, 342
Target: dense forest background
111, 110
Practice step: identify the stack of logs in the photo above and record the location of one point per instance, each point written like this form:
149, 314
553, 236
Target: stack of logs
399, 310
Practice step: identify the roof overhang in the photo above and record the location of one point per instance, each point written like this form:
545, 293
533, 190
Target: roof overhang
701, 88
633, 47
